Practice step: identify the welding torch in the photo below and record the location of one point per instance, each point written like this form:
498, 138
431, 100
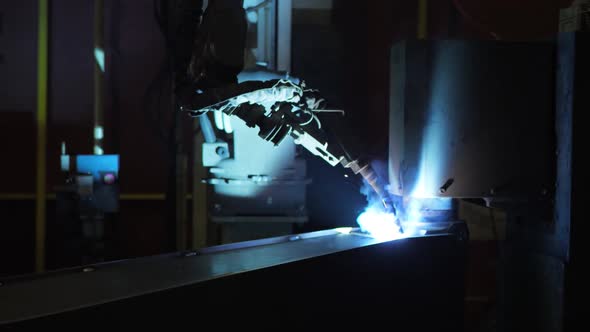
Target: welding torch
373, 180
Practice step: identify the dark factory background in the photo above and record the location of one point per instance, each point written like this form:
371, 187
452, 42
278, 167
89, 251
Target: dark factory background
340, 47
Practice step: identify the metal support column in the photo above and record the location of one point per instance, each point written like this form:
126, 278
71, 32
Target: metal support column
284, 23
180, 185
40, 203
199, 198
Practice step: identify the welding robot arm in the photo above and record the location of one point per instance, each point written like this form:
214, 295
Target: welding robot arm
281, 108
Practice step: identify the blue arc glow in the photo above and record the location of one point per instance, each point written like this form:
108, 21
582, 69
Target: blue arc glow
380, 224
439, 124
431, 167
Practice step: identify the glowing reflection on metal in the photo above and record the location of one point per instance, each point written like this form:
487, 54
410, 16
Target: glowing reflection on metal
343, 230
227, 124
422, 197
437, 129
218, 117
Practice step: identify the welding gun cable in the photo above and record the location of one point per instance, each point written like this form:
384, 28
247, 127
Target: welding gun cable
311, 119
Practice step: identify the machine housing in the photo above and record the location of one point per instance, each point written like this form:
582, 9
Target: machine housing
471, 119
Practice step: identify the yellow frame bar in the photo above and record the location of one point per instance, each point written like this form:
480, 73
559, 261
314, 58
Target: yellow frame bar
40, 196
422, 19
122, 197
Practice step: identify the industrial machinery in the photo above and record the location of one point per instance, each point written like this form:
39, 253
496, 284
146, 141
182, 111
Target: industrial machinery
464, 126
262, 116
86, 207
257, 189
279, 108
469, 120
492, 122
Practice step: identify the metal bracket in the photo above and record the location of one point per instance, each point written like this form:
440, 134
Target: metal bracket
213, 153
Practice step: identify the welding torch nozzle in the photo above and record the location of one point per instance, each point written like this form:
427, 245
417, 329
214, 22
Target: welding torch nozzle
371, 177
369, 174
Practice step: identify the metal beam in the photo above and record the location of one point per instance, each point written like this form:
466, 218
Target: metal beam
327, 277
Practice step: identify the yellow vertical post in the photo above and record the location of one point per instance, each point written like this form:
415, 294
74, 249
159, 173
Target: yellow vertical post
99, 69
41, 118
422, 19
199, 199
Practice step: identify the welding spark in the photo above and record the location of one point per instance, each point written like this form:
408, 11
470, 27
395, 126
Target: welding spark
378, 219
380, 224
